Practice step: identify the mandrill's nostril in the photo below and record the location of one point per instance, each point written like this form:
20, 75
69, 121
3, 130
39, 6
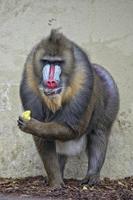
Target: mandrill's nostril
51, 84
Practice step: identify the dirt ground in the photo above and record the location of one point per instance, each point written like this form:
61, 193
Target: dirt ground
36, 188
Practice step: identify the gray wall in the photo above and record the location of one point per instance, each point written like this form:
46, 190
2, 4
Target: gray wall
105, 30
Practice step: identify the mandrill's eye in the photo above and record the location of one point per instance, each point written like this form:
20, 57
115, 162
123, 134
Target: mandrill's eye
44, 62
60, 62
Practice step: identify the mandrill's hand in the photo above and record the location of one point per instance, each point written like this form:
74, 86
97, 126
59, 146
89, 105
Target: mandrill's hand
24, 122
27, 125
33, 126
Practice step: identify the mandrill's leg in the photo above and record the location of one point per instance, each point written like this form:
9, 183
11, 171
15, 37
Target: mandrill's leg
49, 157
96, 150
62, 162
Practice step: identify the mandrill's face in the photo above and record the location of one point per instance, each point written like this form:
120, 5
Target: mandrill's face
54, 68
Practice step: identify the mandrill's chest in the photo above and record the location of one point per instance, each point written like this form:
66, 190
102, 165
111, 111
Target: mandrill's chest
72, 147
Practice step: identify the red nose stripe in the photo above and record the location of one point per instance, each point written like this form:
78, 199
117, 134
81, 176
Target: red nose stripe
51, 72
51, 82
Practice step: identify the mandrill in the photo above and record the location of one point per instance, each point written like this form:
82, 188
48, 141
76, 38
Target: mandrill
73, 103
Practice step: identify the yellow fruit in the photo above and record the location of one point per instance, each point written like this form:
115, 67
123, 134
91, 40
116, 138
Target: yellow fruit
26, 115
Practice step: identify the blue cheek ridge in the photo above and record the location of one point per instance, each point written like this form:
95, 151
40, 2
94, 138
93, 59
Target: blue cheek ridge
57, 73
45, 72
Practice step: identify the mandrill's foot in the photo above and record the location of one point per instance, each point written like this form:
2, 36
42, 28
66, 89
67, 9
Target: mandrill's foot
91, 180
56, 184
45, 178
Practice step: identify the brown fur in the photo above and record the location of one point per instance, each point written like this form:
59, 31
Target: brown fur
75, 86
53, 103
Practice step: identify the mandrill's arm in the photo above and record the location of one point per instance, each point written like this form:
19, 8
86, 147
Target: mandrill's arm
49, 131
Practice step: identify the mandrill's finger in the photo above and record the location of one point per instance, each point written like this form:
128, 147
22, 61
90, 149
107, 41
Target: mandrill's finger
20, 122
21, 118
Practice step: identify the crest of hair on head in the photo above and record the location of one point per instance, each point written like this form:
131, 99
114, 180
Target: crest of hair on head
55, 36
58, 39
